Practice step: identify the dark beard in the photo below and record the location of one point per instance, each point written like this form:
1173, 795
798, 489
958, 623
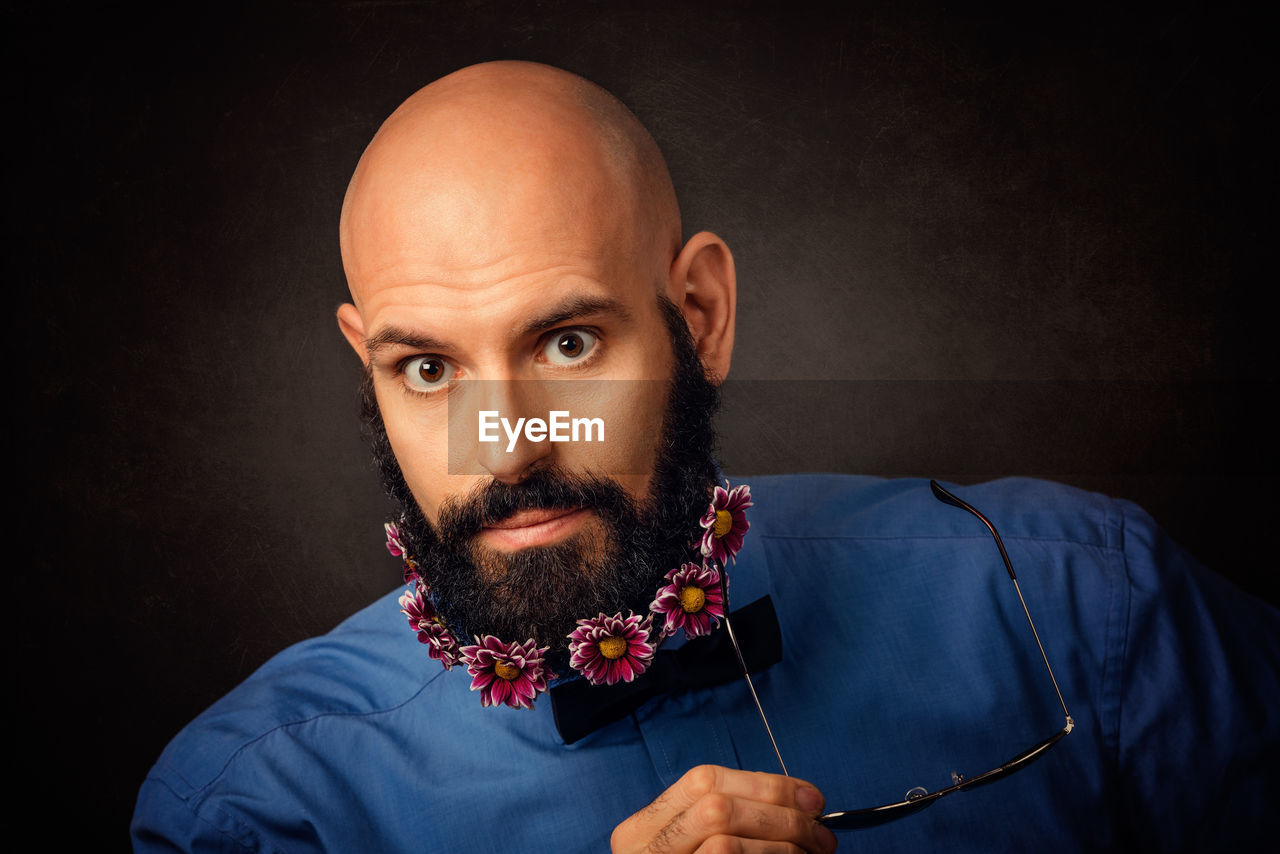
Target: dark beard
542, 592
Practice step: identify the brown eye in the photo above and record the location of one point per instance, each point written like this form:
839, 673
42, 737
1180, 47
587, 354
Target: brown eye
431, 370
427, 373
565, 348
571, 345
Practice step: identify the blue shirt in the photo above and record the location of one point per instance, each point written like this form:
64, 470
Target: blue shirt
906, 656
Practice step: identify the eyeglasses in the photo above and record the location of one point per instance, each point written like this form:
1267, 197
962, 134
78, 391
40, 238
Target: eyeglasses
918, 798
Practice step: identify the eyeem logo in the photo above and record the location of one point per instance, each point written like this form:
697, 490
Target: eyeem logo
558, 427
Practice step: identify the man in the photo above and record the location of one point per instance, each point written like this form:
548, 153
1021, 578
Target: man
513, 248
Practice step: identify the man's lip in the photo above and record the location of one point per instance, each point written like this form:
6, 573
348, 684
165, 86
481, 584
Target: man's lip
527, 528
527, 518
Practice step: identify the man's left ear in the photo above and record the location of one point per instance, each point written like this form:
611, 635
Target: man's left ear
704, 285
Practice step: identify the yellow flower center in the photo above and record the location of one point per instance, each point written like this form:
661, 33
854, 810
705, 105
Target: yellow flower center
613, 648
506, 671
692, 599
723, 524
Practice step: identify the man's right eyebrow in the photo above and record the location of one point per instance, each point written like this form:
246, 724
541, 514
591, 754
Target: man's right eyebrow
394, 336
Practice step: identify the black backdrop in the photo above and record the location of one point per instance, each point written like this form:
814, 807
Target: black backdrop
969, 245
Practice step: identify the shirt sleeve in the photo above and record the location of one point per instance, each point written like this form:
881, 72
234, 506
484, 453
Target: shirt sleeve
1198, 734
164, 823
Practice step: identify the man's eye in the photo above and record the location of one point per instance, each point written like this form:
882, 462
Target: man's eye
572, 345
428, 373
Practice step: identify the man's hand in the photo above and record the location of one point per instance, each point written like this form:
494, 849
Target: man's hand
720, 810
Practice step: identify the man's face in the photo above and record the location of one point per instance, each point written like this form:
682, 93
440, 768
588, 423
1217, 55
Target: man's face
539, 591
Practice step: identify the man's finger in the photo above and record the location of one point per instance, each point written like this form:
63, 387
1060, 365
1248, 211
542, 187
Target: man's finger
720, 815
734, 845
705, 779
698, 783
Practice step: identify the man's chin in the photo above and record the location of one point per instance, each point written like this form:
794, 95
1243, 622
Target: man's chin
538, 592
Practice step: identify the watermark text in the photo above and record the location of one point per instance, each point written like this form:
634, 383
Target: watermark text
558, 427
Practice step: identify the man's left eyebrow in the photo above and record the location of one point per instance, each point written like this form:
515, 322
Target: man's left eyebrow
574, 308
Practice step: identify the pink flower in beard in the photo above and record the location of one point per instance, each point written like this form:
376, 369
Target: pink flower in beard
608, 650
725, 522
411, 576
416, 607
395, 543
509, 673
431, 628
691, 600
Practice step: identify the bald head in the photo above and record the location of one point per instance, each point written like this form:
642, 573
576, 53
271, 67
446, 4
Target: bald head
480, 164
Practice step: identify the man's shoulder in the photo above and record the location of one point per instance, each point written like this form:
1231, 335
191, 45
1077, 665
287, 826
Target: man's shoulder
369, 664
328, 745
817, 506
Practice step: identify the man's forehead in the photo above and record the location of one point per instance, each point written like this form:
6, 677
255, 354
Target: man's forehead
498, 277
490, 222
499, 297
529, 238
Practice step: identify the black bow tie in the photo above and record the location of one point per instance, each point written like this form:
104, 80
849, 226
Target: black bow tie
581, 708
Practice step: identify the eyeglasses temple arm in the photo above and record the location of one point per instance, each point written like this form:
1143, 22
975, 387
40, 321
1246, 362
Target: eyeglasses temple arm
733, 640
947, 498
1036, 635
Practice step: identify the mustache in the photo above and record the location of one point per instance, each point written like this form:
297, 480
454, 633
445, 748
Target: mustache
550, 488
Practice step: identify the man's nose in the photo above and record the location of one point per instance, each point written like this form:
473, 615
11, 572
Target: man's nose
503, 410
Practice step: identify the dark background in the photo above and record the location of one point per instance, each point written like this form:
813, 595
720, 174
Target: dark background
969, 245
